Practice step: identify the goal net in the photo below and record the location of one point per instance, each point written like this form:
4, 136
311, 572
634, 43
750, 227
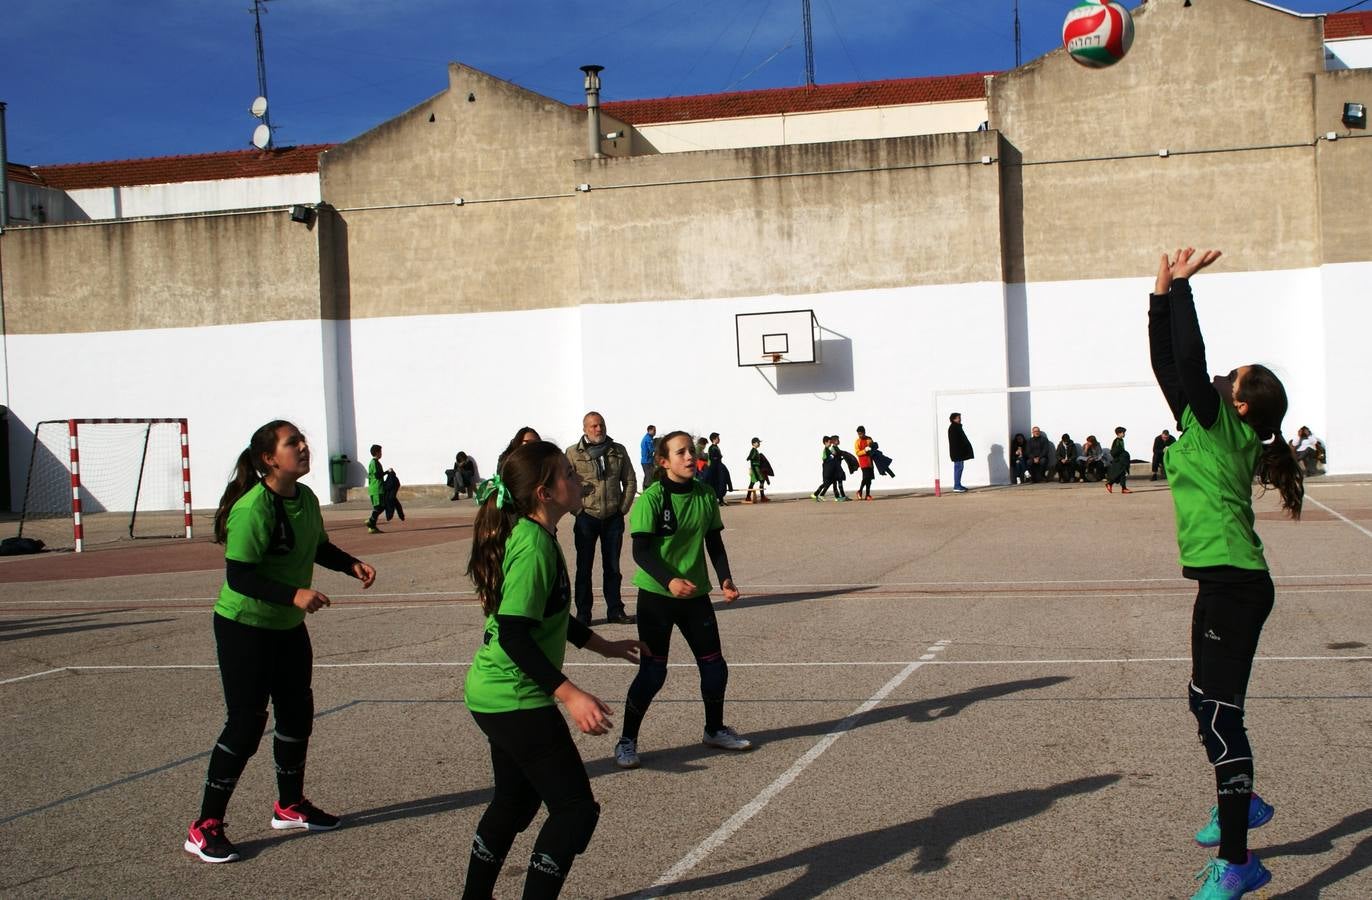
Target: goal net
100, 480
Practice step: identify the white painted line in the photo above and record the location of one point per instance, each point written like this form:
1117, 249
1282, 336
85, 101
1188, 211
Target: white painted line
1339, 515
926, 657
32, 675
758, 803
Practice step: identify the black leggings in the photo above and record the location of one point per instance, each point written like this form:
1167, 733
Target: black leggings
257, 665
657, 616
865, 489
535, 762
1225, 626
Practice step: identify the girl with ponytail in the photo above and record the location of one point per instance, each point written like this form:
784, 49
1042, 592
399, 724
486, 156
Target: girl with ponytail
273, 535
516, 679
1230, 433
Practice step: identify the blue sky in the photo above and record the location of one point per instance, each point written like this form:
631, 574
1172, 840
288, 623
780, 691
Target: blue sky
92, 80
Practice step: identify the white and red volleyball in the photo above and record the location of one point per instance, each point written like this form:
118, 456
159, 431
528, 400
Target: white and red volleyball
1097, 33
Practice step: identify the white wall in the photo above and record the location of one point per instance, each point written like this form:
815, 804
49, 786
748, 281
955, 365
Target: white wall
196, 196
1352, 53
816, 127
426, 386
226, 380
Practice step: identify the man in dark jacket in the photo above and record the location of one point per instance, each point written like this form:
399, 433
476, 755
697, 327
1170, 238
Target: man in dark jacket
1160, 445
1039, 453
607, 472
959, 449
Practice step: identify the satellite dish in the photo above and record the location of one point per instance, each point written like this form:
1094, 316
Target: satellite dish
259, 107
261, 137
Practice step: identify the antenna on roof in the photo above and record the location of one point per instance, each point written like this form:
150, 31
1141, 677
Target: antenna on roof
262, 134
809, 44
1017, 35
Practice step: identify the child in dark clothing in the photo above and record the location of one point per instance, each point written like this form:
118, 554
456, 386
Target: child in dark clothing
1119, 465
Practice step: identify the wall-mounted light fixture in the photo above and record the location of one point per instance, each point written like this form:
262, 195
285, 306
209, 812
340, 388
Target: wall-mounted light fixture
614, 135
305, 215
1355, 115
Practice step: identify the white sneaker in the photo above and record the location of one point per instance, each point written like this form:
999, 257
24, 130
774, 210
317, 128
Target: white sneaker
626, 753
727, 739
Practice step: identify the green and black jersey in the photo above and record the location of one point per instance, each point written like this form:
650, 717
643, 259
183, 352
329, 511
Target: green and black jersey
680, 535
535, 586
1211, 474
279, 537
374, 479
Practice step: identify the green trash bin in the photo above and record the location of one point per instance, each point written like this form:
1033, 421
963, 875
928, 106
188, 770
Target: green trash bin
338, 470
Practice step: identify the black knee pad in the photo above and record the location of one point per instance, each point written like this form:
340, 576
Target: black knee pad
586, 817
714, 676
243, 733
652, 675
1222, 730
295, 715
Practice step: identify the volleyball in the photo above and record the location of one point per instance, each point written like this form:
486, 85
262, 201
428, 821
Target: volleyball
1097, 34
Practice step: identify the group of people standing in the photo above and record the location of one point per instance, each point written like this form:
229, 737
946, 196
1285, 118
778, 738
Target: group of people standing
272, 531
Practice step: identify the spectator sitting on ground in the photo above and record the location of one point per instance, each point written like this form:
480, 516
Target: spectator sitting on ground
1091, 460
464, 475
1019, 462
1160, 445
1307, 449
1066, 467
1039, 452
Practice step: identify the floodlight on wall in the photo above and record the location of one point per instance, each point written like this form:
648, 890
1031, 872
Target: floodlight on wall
584, 188
614, 135
1355, 115
458, 201
303, 214
1164, 153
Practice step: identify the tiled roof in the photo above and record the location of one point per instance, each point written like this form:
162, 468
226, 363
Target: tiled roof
173, 169
21, 173
1347, 25
774, 101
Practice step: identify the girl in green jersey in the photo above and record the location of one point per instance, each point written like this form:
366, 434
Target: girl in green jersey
675, 523
1230, 432
515, 679
273, 536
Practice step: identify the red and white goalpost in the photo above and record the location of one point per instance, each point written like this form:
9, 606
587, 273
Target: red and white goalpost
80, 467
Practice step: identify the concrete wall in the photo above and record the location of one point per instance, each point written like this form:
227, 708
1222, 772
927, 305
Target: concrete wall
1172, 91
122, 202
815, 127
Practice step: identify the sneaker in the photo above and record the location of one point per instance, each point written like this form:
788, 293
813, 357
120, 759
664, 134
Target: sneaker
959, 490
206, 840
815, 497
1259, 814
302, 814
620, 618
727, 739
1125, 490
1226, 881
371, 527
626, 753
1109, 488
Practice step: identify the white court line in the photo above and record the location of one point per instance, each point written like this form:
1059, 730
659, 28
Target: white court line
758, 803
1339, 515
148, 606
31, 675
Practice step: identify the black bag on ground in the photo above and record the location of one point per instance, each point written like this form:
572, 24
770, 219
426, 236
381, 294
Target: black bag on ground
18, 546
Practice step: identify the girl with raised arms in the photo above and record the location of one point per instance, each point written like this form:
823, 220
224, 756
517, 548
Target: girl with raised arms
674, 523
273, 535
1230, 432
515, 680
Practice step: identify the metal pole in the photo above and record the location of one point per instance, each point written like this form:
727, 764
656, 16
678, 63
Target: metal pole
593, 109
809, 44
261, 61
4, 173
1017, 35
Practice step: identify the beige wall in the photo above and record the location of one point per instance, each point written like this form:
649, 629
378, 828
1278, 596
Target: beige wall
1345, 167
904, 211
172, 273
1108, 217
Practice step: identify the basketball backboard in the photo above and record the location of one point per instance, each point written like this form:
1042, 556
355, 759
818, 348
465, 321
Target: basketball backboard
775, 338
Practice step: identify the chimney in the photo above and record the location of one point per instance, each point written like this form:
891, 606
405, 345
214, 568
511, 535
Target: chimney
593, 108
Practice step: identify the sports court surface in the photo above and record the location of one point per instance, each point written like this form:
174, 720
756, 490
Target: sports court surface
966, 696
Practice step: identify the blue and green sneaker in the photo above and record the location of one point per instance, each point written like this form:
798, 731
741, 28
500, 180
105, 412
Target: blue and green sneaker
1259, 814
1227, 881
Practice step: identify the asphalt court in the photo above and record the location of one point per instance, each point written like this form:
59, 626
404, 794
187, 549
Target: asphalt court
965, 696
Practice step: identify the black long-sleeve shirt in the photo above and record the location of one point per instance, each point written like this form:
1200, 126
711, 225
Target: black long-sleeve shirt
243, 578
1178, 355
517, 640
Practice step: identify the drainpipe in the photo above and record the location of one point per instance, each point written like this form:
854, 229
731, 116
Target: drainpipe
593, 108
4, 174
